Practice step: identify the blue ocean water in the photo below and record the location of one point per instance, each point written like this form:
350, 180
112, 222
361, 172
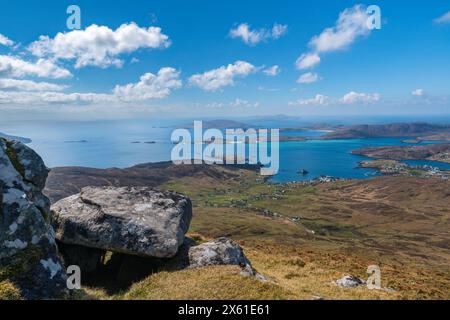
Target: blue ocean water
124, 143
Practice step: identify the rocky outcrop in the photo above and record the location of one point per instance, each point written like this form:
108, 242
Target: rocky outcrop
131, 220
28, 253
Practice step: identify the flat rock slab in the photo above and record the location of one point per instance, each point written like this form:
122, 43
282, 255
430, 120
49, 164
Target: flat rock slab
132, 220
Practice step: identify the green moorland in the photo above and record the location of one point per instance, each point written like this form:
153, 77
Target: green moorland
303, 237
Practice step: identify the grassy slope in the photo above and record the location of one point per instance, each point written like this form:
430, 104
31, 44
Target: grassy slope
398, 223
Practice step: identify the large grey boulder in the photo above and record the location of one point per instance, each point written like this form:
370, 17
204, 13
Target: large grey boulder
28, 253
131, 220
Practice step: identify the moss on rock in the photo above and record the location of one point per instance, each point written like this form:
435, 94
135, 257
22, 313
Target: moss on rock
12, 155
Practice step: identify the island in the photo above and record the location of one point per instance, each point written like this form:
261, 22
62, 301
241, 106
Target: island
434, 152
419, 129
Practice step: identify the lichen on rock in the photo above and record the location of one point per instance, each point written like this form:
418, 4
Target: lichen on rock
26, 238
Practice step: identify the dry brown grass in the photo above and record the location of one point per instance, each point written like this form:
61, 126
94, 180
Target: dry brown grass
401, 224
220, 282
8, 291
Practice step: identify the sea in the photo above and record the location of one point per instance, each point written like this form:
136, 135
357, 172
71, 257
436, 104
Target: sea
124, 143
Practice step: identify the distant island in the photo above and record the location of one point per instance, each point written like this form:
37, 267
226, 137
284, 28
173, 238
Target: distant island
389, 130
434, 152
434, 137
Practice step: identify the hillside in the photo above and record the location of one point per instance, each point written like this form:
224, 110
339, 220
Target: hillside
65, 181
302, 236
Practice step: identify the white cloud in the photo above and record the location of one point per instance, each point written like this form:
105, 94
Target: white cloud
349, 98
241, 103
307, 60
150, 86
445, 18
46, 98
237, 103
253, 37
318, 100
17, 68
5, 41
221, 77
355, 97
351, 24
272, 71
99, 45
418, 93
28, 85
308, 78
262, 88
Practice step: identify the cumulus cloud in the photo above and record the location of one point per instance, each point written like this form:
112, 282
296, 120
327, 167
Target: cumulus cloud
253, 37
150, 86
355, 97
307, 60
241, 103
350, 25
308, 78
237, 103
349, 98
272, 71
46, 98
15, 67
445, 18
418, 93
28, 85
5, 41
318, 100
99, 46
221, 77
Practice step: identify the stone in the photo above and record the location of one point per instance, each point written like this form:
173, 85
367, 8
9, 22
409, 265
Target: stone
131, 220
350, 282
221, 251
28, 252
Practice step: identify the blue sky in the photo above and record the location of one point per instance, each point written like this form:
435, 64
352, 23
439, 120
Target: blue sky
402, 68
